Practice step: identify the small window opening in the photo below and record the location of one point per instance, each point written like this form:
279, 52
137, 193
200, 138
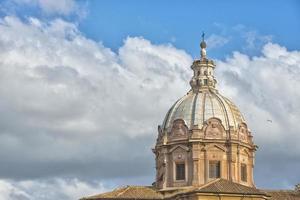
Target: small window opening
244, 172
180, 171
214, 169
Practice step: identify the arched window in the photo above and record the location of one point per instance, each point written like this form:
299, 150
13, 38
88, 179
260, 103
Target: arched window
198, 73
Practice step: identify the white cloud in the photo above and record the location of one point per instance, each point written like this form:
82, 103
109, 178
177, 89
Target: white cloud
267, 90
72, 107
67, 189
72, 95
216, 41
253, 39
61, 7
9, 192
64, 7
268, 83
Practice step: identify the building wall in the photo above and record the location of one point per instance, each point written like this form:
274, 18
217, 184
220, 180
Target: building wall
196, 147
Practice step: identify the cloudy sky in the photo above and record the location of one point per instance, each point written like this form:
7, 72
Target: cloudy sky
84, 84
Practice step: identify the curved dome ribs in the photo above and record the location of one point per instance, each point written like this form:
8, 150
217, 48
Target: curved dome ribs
198, 116
226, 121
236, 113
221, 109
208, 107
168, 114
196, 108
202, 111
172, 110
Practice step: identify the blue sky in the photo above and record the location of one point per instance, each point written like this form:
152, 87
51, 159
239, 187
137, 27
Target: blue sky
181, 23
79, 78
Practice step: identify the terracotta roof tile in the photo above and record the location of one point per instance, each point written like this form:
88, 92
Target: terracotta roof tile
283, 194
225, 186
128, 192
218, 186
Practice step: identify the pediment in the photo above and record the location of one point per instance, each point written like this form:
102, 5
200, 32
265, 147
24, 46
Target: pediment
245, 151
214, 146
185, 148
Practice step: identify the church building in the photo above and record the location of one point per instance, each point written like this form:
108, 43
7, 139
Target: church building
204, 149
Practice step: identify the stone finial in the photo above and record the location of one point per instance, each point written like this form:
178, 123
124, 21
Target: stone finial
203, 46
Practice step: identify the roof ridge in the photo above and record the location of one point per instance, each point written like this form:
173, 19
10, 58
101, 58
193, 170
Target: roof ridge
209, 183
120, 187
239, 184
125, 190
278, 190
228, 186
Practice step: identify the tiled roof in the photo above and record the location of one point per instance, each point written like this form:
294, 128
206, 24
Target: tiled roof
226, 186
283, 194
128, 192
218, 186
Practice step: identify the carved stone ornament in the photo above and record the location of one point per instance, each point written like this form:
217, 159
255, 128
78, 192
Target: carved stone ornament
179, 155
214, 129
179, 128
160, 167
243, 132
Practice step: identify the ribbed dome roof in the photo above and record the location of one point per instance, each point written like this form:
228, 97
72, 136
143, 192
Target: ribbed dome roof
203, 101
197, 107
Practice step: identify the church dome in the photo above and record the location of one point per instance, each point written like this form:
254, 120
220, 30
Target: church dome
203, 136
203, 101
196, 108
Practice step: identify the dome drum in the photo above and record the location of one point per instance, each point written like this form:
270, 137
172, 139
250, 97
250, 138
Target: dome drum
212, 129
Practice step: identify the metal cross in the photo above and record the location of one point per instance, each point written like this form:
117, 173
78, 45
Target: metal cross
203, 34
